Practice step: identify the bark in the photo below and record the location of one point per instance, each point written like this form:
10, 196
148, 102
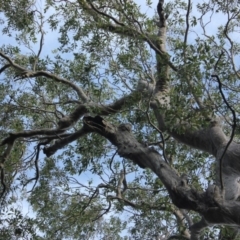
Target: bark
210, 204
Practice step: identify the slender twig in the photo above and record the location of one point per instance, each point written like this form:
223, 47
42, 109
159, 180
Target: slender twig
160, 132
220, 56
233, 129
162, 137
123, 200
186, 31
105, 212
3, 159
94, 195
187, 23
41, 41
2, 180
110, 164
37, 170
36, 164
125, 185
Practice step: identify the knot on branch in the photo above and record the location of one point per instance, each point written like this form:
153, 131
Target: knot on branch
24, 74
184, 180
214, 195
125, 127
49, 151
145, 86
94, 122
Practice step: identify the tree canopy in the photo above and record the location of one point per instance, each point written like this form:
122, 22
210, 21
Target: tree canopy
120, 119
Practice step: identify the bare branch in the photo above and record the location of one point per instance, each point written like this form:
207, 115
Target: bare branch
159, 131
233, 129
187, 22
110, 164
219, 58
36, 165
41, 42
105, 211
2, 180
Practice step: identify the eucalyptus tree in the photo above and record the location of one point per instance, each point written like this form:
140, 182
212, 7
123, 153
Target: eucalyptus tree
142, 98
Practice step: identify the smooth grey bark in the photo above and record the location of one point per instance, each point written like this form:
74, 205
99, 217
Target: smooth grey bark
211, 204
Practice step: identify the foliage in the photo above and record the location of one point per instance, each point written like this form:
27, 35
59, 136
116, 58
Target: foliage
62, 61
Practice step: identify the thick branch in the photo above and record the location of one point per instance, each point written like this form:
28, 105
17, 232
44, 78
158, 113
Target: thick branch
180, 219
208, 139
65, 141
209, 204
67, 122
161, 91
101, 109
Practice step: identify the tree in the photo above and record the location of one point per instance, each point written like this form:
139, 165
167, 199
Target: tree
145, 102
